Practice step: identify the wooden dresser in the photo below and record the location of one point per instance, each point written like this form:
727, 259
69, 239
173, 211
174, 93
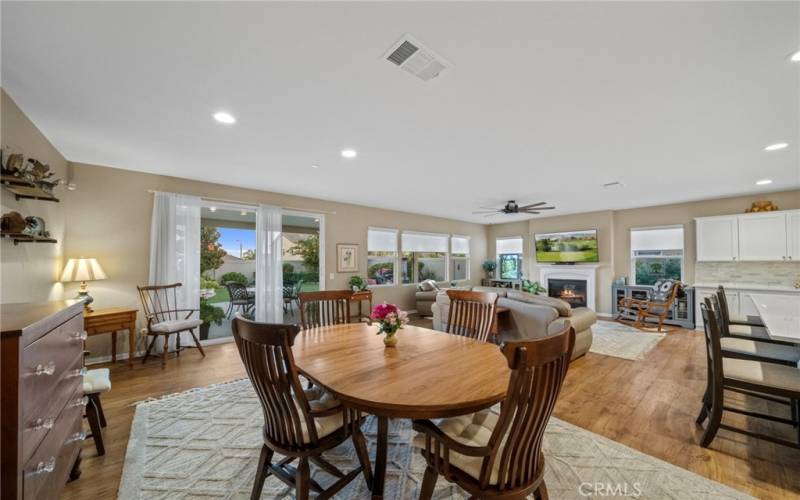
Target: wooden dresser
41, 410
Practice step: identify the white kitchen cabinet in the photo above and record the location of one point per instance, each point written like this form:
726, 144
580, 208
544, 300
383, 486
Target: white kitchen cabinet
718, 239
793, 235
762, 236
738, 296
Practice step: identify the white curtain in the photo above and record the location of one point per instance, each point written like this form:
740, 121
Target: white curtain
175, 248
269, 269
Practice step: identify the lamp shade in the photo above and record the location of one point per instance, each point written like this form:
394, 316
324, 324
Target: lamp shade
83, 270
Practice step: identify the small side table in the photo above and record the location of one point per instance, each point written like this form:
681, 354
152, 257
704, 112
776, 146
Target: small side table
113, 320
501, 322
363, 295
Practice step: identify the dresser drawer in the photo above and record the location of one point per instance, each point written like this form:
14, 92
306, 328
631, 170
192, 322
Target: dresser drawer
37, 423
46, 361
44, 474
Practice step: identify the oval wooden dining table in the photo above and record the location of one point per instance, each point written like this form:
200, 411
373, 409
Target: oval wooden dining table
429, 374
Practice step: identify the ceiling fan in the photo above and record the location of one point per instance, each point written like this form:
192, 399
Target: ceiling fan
512, 208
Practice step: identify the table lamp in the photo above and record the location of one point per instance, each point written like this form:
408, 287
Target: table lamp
83, 270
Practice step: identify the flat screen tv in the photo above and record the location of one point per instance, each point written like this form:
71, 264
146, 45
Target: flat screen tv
567, 247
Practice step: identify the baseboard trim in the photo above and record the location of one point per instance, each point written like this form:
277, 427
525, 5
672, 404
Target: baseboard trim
96, 360
605, 315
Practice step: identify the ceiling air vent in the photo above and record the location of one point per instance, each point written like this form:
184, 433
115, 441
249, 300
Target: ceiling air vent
416, 58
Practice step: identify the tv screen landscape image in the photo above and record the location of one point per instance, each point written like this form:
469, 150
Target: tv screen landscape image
567, 247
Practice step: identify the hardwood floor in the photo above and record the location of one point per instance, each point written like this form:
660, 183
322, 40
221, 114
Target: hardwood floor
649, 405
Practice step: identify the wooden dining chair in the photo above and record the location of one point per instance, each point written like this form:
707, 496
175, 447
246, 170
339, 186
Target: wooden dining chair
743, 348
738, 320
769, 381
324, 308
500, 455
299, 424
471, 313
165, 318
739, 330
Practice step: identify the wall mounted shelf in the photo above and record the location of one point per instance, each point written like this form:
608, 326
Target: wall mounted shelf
26, 238
23, 189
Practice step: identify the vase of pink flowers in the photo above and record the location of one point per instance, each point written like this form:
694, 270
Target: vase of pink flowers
390, 319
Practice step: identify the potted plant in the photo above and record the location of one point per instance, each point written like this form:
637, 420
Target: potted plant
489, 266
533, 287
357, 283
209, 314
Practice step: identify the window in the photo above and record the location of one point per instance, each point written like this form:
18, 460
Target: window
459, 258
656, 254
381, 256
424, 257
509, 258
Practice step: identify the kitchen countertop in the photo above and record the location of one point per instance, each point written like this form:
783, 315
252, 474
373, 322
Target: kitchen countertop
750, 286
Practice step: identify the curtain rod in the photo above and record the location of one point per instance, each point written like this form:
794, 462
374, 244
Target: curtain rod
223, 200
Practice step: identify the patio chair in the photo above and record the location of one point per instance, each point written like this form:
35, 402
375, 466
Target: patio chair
239, 298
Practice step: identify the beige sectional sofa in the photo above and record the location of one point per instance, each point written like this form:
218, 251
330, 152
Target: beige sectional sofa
531, 316
426, 295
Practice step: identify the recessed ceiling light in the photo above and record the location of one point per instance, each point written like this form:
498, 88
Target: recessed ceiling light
777, 146
764, 182
349, 153
213, 209
224, 117
314, 165
795, 57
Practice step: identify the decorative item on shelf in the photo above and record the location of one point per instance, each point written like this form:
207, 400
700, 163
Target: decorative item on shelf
83, 270
762, 206
347, 257
357, 284
27, 180
35, 227
489, 266
13, 222
390, 319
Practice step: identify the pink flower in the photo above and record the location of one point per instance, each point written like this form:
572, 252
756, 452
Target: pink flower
380, 311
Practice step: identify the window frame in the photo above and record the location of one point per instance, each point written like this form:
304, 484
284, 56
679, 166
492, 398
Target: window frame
634, 257
467, 258
395, 261
423, 233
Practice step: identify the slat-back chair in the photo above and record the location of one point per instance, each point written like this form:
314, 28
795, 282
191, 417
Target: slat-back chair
472, 314
298, 424
510, 464
777, 383
738, 320
239, 298
749, 331
165, 318
324, 308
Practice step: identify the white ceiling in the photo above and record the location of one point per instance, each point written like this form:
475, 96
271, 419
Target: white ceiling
545, 101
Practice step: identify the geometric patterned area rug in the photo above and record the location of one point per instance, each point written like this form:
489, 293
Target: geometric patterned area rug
204, 443
622, 341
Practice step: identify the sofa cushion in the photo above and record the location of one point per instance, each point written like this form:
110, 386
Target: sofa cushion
427, 286
501, 292
563, 308
582, 318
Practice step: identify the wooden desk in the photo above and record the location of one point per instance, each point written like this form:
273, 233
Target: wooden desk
113, 320
428, 375
363, 295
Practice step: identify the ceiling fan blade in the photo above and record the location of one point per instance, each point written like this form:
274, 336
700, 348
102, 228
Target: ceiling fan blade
534, 204
529, 212
545, 208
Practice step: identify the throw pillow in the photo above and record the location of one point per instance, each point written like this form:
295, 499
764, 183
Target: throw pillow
563, 307
428, 286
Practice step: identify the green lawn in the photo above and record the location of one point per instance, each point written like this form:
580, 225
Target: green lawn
583, 256
222, 293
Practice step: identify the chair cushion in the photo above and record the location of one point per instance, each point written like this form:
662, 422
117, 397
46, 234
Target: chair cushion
473, 429
319, 400
757, 372
761, 349
175, 325
97, 381
756, 332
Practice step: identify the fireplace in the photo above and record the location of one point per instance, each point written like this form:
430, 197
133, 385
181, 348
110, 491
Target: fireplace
568, 290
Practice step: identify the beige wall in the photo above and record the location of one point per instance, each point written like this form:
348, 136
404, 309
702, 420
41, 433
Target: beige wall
110, 211
614, 233
29, 271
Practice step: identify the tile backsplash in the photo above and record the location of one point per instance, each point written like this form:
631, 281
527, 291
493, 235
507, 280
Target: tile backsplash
762, 273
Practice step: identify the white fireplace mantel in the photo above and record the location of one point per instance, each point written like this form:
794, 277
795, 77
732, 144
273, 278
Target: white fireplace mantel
586, 272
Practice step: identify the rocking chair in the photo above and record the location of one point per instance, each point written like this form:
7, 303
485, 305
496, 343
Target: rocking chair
657, 304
